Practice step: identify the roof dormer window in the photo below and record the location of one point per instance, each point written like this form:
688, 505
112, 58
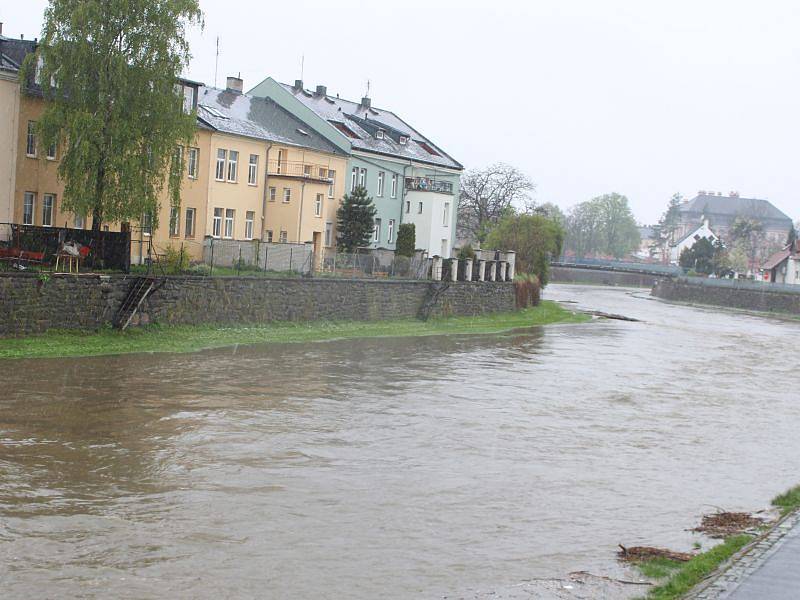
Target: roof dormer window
403, 140
380, 134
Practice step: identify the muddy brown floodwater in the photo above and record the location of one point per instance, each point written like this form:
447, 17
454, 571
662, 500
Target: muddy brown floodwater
391, 468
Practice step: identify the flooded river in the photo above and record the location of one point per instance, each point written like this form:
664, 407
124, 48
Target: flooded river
391, 468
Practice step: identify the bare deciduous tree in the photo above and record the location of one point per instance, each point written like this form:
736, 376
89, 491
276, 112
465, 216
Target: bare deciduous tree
489, 194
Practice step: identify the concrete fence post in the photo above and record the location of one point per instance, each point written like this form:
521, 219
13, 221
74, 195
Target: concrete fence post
492, 270
454, 269
468, 269
436, 268
481, 270
512, 258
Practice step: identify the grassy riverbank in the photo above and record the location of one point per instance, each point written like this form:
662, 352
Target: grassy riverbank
191, 338
680, 577
677, 578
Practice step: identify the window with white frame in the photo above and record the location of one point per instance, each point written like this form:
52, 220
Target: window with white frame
52, 150
48, 204
193, 156
249, 219
307, 170
174, 221
328, 233
79, 222
376, 231
380, 134
446, 214
216, 224
233, 166
332, 178
381, 178
28, 206
188, 99
419, 208
362, 178
273, 194
390, 232
323, 173
268, 235
354, 179
394, 185
403, 140
287, 195
177, 159
30, 147
252, 170
283, 237
318, 206
191, 217
147, 224
222, 157
229, 213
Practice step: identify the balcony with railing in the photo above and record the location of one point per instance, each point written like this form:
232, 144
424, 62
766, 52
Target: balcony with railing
300, 170
426, 184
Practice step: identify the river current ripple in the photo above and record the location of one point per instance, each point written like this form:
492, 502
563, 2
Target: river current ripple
391, 468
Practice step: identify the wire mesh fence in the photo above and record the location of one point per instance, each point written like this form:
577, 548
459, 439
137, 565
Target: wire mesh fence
368, 263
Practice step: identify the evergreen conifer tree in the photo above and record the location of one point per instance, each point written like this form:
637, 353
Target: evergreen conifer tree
355, 220
406, 240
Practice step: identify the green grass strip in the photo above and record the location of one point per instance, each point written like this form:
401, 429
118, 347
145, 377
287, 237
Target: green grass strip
787, 501
192, 338
684, 576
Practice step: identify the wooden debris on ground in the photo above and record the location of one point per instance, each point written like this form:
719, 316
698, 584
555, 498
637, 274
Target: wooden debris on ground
605, 315
643, 553
724, 524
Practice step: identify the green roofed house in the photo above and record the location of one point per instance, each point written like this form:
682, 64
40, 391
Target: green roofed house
411, 179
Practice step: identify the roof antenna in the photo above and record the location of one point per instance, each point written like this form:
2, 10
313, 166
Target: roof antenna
302, 66
216, 64
366, 95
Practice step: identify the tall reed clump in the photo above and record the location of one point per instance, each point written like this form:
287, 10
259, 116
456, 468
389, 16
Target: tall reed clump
528, 290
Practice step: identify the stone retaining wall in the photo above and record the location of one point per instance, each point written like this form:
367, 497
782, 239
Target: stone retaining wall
29, 304
763, 300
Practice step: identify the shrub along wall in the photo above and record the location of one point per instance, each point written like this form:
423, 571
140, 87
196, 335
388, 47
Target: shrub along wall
87, 302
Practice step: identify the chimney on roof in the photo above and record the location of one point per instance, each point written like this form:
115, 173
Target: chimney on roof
321, 91
235, 85
701, 193
734, 194
1, 28
719, 193
366, 103
298, 85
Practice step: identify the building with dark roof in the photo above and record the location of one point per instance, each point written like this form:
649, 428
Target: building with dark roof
410, 178
722, 211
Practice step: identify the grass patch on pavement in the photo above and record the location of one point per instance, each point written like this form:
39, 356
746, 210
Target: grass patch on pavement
192, 338
683, 576
787, 501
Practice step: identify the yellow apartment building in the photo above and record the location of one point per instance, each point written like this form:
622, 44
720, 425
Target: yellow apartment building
274, 178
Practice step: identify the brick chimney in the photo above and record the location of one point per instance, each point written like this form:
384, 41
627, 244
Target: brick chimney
366, 103
298, 85
321, 91
733, 194
235, 85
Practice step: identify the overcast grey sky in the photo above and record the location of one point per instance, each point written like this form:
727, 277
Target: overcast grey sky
586, 97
